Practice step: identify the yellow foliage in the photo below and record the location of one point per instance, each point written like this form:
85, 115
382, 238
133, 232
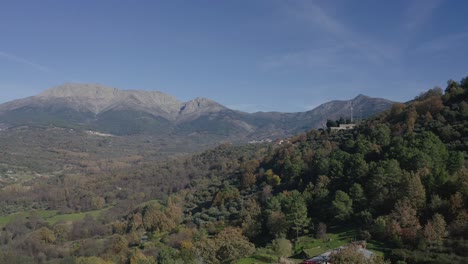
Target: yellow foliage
92, 260
188, 245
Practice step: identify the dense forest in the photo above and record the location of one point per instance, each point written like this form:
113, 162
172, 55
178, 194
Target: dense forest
399, 179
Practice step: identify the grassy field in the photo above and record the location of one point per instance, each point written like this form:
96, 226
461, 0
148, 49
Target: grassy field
258, 259
7, 218
313, 246
74, 217
50, 216
252, 260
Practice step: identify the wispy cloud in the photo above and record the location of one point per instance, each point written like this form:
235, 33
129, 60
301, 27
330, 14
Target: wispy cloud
324, 58
24, 61
339, 44
419, 12
372, 49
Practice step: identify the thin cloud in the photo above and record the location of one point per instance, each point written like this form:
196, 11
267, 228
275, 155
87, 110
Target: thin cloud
327, 58
365, 45
419, 12
352, 45
24, 61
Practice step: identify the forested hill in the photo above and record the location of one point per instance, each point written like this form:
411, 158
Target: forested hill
399, 180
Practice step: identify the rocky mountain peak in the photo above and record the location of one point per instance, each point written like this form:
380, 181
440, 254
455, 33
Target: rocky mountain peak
91, 91
98, 98
361, 97
200, 105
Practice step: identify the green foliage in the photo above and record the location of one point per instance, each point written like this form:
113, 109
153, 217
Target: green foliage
228, 246
343, 205
281, 247
169, 256
288, 214
159, 218
271, 178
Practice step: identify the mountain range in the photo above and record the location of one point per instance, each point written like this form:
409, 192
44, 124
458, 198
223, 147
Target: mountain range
130, 112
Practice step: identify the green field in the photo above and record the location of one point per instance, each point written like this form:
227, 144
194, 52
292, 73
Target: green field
74, 217
313, 246
252, 260
51, 216
258, 258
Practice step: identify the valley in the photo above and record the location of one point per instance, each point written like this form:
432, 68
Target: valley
397, 180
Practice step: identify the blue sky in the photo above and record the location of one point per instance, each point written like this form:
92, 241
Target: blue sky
251, 55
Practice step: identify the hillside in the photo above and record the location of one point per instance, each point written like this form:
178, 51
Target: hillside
131, 112
398, 181
75, 127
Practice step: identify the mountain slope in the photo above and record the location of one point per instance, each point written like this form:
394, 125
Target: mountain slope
125, 112
362, 107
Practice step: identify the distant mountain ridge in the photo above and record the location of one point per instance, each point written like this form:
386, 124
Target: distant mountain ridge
98, 99
125, 112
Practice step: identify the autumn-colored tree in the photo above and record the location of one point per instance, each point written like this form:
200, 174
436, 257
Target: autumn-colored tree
250, 166
137, 257
46, 235
272, 179
456, 203
277, 224
92, 260
227, 246
397, 108
251, 218
135, 223
117, 250
435, 230
415, 191
411, 116
118, 244
404, 221
228, 193
247, 179
61, 231
159, 218
232, 245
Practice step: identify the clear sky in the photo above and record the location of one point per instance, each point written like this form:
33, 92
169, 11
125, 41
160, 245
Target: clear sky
251, 55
